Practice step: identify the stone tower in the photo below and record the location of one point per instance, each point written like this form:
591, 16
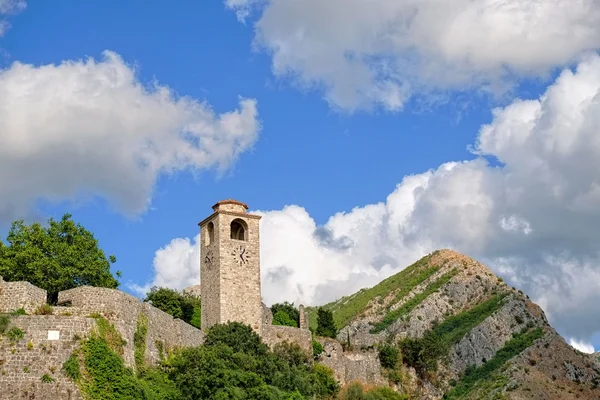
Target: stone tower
230, 266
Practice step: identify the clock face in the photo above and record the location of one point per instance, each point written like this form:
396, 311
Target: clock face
240, 255
209, 258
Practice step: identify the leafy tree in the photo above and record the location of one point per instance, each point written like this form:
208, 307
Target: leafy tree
325, 324
285, 314
58, 257
282, 318
182, 306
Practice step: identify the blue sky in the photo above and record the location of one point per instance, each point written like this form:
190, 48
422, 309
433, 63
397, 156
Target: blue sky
332, 133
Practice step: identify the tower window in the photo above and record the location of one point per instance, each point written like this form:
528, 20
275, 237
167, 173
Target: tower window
238, 229
210, 233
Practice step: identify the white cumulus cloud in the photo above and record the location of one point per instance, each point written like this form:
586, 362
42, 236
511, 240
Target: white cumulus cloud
380, 52
582, 346
90, 127
535, 219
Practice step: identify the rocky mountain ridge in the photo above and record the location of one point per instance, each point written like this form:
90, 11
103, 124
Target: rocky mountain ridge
492, 340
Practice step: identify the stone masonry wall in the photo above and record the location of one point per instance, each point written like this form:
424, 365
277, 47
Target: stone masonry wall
351, 366
48, 342
273, 334
15, 295
124, 310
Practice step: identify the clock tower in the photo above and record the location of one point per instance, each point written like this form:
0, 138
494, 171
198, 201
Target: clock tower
230, 266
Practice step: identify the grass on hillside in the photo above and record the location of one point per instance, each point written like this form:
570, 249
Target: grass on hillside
347, 308
452, 329
477, 376
410, 305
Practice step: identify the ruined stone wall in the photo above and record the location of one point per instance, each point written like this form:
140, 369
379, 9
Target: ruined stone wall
273, 334
360, 366
48, 342
15, 295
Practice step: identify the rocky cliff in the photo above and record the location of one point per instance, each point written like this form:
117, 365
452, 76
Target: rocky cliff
463, 333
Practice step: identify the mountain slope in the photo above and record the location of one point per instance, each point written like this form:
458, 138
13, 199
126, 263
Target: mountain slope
465, 334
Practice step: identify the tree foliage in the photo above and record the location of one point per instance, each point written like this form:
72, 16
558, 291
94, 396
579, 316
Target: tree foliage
285, 314
325, 324
60, 256
179, 305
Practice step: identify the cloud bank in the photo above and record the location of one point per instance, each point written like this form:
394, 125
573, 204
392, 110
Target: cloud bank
365, 53
88, 127
535, 219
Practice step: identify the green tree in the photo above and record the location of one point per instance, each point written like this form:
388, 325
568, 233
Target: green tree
325, 323
281, 310
60, 256
182, 306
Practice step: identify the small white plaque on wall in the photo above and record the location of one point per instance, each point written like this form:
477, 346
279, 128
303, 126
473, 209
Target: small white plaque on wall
53, 335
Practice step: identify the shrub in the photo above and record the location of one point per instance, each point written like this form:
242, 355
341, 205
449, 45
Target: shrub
317, 349
388, 356
44, 309
15, 334
179, 305
139, 341
20, 311
47, 378
4, 322
285, 314
357, 391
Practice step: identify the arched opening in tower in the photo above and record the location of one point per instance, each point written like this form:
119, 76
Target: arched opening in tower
238, 229
211, 233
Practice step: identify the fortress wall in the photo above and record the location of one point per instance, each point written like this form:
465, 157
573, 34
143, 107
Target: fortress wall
15, 295
27, 360
351, 366
273, 334
169, 331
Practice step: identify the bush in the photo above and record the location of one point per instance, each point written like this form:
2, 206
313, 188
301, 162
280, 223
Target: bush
325, 324
4, 322
388, 356
317, 349
179, 305
71, 367
15, 334
20, 311
285, 314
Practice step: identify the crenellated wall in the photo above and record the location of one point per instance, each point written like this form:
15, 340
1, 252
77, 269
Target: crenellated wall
15, 295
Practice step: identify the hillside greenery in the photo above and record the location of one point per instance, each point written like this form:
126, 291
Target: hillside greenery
56, 257
349, 307
484, 374
233, 363
180, 305
411, 304
424, 353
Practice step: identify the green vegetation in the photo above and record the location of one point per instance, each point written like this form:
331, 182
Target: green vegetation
15, 334
232, 364
20, 311
139, 341
180, 305
325, 323
4, 322
44, 309
476, 376
71, 367
388, 356
410, 305
347, 308
317, 348
47, 378
58, 257
423, 354
356, 391
285, 314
